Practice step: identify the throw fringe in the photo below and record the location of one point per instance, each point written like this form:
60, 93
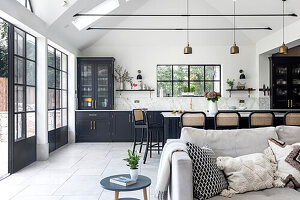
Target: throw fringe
161, 195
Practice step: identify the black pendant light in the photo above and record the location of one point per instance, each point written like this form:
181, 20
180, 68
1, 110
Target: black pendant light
234, 49
283, 49
187, 49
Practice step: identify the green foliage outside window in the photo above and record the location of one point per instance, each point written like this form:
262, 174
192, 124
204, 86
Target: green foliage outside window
3, 49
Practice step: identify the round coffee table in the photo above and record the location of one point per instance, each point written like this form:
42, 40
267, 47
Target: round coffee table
141, 184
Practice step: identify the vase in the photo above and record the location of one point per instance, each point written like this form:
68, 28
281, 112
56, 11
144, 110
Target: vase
134, 174
122, 86
212, 107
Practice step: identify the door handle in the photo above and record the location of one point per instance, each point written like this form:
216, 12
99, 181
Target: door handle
288, 103
129, 120
94, 125
95, 104
91, 125
291, 103
92, 103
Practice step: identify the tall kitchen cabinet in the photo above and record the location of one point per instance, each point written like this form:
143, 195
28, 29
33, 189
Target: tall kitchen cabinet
95, 83
285, 82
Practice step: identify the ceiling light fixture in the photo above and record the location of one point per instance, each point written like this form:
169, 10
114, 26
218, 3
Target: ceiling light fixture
283, 49
187, 49
234, 49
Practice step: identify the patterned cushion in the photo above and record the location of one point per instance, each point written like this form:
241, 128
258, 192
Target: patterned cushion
208, 179
288, 158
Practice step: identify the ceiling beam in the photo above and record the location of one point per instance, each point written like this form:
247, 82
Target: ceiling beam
183, 15
178, 29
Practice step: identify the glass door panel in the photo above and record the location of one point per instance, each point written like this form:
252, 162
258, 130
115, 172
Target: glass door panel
281, 86
295, 86
87, 86
101, 100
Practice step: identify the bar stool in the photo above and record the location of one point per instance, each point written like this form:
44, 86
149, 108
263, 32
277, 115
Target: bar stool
193, 119
261, 119
292, 118
141, 121
227, 120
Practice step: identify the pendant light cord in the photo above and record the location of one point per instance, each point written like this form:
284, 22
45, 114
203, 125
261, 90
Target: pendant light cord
187, 21
283, 19
234, 21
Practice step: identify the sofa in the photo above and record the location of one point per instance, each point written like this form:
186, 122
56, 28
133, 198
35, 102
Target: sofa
232, 143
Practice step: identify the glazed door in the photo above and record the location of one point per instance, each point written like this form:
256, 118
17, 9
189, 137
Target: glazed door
280, 85
86, 90
294, 100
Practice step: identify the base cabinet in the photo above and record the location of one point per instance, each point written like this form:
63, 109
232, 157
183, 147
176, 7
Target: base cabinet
122, 127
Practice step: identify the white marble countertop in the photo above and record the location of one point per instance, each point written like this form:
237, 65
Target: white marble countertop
243, 114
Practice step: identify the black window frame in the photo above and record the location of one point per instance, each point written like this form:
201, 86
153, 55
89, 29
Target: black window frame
28, 5
172, 81
55, 88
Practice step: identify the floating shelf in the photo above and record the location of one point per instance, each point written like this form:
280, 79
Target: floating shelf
135, 91
249, 90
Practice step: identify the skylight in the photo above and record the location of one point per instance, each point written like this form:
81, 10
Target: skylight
103, 8
26, 4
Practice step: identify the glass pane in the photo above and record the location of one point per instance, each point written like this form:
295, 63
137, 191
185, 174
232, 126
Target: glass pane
180, 73
64, 117
51, 77
213, 86
19, 70
197, 73
212, 73
19, 42
19, 126
166, 88
51, 125
30, 99
164, 73
86, 81
64, 80
58, 80
58, 59
58, 99
58, 118
64, 99
198, 88
64, 63
30, 126
178, 88
51, 98
30, 47
19, 98
51, 57
30, 73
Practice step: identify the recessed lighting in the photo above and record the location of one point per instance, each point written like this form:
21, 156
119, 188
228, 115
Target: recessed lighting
103, 8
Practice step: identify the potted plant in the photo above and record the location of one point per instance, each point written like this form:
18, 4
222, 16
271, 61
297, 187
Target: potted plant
133, 163
212, 98
230, 83
186, 91
122, 76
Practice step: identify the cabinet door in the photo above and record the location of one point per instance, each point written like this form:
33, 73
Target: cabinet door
102, 86
280, 85
84, 130
103, 130
122, 128
295, 86
86, 90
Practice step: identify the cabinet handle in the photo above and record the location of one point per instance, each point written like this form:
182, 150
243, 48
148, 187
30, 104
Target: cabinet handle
129, 120
94, 125
291, 103
288, 103
92, 103
95, 104
91, 125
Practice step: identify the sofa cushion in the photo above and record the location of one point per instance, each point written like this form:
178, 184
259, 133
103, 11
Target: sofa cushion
232, 143
208, 180
269, 194
288, 134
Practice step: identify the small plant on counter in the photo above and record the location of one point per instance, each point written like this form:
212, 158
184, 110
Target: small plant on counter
212, 96
230, 83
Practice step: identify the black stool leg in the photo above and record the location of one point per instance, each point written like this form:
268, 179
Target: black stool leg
147, 146
157, 135
151, 138
142, 140
134, 139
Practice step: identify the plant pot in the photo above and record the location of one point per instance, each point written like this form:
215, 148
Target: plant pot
134, 174
212, 107
122, 86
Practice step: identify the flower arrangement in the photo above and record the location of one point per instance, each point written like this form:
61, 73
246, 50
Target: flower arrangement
121, 75
212, 96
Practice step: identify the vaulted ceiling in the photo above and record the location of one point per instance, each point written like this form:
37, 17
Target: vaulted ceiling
59, 18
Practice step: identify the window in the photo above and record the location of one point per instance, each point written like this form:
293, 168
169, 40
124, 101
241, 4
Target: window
57, 89
176, 79
26, 3
24, 84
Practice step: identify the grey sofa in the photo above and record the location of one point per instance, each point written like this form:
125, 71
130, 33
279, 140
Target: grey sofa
230, 143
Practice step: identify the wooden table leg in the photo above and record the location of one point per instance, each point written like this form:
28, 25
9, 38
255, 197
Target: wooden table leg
116, 195
145, 194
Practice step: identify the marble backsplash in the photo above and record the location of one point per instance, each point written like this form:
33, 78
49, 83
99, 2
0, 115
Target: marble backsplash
128, 101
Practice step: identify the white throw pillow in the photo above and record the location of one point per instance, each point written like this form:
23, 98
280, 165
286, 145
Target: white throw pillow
249, 173
288, 159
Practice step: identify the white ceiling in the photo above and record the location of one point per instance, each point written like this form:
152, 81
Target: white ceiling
60, 19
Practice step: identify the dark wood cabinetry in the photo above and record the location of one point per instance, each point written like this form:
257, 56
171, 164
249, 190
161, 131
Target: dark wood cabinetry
95, 83
285, 82
122, 126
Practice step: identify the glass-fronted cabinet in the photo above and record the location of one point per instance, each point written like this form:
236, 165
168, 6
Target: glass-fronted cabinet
285, 82
95, 83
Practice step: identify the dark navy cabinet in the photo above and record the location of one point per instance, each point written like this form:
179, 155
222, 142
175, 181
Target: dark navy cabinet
122, 126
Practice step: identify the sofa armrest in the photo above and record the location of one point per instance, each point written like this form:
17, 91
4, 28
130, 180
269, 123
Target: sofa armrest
181, 177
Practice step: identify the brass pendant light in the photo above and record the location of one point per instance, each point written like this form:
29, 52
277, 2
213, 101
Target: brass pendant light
283, 49
234, 49
187, 49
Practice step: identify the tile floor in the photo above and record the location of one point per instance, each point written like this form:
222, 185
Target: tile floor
73, 173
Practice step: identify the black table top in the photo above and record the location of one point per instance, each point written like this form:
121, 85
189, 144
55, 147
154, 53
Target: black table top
141, 183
